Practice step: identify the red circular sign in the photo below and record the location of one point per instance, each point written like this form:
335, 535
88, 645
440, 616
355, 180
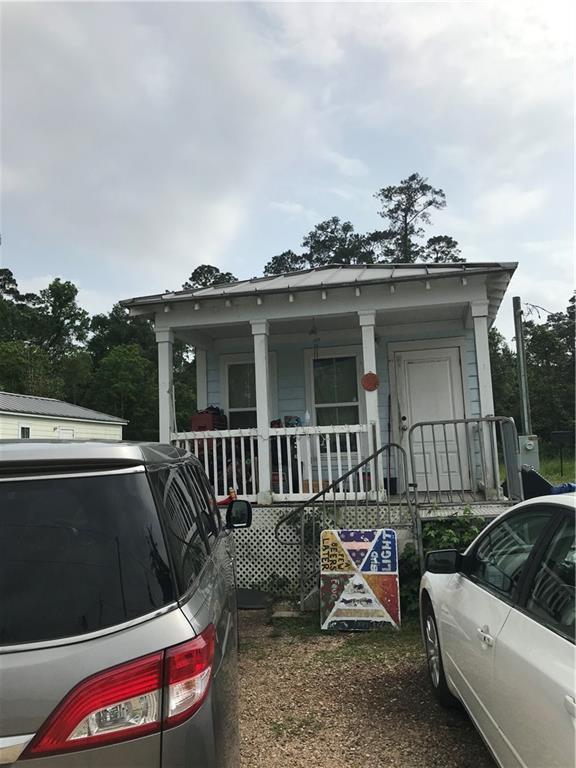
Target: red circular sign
370, 382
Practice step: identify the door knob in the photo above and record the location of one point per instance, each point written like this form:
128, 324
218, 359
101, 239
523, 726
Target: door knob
404, 428
570, 705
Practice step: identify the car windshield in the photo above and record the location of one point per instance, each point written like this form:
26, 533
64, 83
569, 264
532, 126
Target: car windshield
78, 554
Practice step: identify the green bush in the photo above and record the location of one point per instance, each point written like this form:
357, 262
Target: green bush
454, 533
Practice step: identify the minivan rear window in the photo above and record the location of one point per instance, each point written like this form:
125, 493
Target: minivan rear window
79, 554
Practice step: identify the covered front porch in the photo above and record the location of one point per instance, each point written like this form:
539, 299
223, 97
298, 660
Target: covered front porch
301, 377
291, 398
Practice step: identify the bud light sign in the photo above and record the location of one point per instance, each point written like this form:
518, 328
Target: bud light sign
359, 579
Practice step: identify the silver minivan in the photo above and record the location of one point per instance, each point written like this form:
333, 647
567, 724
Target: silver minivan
118, 629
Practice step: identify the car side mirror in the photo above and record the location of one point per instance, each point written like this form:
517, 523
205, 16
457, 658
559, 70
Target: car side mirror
444, 561
239, 514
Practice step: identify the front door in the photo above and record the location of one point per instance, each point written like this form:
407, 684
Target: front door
429, 388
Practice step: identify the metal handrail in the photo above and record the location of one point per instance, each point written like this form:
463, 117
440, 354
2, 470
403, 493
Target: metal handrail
486, 444
298, 511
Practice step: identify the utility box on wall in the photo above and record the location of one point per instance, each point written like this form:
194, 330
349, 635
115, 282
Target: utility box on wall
529, 451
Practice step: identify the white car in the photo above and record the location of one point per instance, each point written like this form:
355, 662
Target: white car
498, 626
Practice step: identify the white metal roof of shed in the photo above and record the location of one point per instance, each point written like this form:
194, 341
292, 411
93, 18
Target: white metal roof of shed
48, 406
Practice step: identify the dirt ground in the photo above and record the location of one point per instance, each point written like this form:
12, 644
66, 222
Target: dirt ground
316, 700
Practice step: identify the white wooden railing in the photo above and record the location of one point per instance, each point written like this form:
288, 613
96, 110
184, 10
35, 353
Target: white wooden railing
302, 460
229, 456
306, 459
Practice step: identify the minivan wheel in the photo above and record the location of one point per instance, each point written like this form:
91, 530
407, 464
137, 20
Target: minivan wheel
434, 658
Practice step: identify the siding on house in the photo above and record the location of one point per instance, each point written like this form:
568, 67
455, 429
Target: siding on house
469, 372
291, 382
213, 377
48, 428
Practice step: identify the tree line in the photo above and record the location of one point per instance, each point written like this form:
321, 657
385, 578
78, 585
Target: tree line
51, 347
551, 373
406, 209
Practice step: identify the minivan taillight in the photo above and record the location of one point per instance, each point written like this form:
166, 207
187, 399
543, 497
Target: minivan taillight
188, 671
131, 700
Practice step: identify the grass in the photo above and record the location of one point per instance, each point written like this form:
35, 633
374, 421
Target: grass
550, 469
364, 646
254, 647
354, 645
306, 625
296, 726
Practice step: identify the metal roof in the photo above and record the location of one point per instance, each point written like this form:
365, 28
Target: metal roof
330, 276
47, 406
72, 454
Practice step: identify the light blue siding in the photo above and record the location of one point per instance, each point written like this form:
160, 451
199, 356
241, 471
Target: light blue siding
291, 382
213, 375
469, 372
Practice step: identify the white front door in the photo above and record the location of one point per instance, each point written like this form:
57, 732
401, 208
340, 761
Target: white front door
429, 388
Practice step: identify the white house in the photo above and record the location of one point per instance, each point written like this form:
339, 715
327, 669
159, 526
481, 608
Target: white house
285, 359
31, 417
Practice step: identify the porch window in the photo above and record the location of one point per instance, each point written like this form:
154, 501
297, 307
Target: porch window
336, 391
241, 395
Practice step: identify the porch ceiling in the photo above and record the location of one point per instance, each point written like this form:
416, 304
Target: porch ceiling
340, 322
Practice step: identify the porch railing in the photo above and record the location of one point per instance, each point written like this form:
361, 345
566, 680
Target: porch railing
332, 507
305, 460
465, 461
229, 456
302, 460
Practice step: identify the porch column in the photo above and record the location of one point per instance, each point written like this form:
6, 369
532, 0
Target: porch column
479, 312
367, 323
165, 340
260, 334
201, 379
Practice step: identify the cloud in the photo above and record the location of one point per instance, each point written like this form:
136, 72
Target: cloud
544, 277
347, 166
292, 209
136, 155
472, 52
509, 203
142, 139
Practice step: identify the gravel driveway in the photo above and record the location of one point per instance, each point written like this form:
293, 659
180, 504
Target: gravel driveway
312, 700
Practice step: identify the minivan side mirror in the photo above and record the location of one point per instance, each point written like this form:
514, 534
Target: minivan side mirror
239, 514
444, 561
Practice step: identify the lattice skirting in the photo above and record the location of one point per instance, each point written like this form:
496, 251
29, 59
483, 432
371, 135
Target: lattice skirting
262, 562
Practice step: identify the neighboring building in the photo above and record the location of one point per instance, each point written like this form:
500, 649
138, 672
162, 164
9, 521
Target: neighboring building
285, 359
43, 418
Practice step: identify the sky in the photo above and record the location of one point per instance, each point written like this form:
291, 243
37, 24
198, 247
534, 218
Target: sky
142, 139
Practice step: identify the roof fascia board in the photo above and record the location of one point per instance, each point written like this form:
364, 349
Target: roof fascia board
212, 313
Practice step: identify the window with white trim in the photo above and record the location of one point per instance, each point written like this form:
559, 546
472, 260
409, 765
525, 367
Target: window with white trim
25, 433
241, 395
336, 390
